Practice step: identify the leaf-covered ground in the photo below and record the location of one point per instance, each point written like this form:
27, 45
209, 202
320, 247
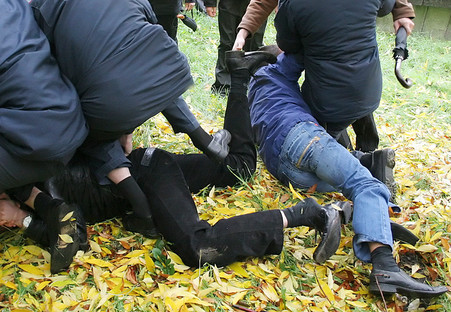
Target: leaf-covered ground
124, 271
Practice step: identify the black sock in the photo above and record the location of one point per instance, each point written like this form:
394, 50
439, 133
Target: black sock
200, 138
382, 259
133, 193
306, 213
239, 81
43, 204
21, 193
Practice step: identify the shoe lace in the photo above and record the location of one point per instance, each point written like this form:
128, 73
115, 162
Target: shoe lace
380, 290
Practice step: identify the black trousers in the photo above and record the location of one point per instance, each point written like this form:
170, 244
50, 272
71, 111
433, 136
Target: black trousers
228, 23
168, 179
169, 23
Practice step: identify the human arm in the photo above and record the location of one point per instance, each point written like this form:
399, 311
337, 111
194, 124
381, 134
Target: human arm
257, 12
189, 5
126, 143
403, 14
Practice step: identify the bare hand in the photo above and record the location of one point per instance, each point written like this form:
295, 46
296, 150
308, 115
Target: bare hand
211, 11
127, 143
189, 6
240, 39
10, 213
405, 22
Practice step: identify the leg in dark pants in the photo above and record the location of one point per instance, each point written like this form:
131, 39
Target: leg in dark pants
199, 171
228, 23
194, 240
170, 24
367, 138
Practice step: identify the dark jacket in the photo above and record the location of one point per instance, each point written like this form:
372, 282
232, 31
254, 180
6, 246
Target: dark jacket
125, 68
40, 115
336, 41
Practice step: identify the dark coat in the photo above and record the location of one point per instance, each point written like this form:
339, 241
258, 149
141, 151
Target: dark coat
40, 115
125, 68
336, 41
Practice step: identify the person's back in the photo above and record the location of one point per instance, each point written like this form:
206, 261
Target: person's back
336, 42
40, 116
108, 59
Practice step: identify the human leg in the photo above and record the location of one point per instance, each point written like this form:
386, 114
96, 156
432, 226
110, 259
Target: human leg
227, 33
256, 42
241, 161
329, 161
169, 23
177, 219
58, 225
310, 149
183, 120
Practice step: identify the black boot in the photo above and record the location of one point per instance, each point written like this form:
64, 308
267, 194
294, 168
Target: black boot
387, 278
218, 149
67, 234
325, 219
381, 163
215, 146
388, 283
251, 61
37, 231
66, 229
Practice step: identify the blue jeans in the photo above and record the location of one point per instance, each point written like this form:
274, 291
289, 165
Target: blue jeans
310, 156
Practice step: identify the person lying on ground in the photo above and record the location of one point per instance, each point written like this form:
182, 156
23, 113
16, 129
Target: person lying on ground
125, 69
296, 147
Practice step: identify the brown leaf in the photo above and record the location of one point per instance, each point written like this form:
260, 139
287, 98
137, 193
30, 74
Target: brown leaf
131, 274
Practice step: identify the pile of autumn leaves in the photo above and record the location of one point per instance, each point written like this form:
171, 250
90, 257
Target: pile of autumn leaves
123, 271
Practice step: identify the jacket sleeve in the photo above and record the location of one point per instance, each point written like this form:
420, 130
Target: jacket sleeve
257, 12
403, 9
288, 38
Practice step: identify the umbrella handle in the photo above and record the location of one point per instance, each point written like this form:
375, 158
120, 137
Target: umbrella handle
401, 53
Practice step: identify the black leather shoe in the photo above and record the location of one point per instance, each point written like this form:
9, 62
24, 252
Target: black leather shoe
218, 148
66, 232
251, 61
331, 235
220, 89
399, 282
144, 226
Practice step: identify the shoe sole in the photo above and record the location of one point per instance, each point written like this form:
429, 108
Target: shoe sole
388, 289
62, 254
325, 251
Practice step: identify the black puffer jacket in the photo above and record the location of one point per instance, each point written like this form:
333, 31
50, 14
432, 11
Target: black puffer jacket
336, 41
